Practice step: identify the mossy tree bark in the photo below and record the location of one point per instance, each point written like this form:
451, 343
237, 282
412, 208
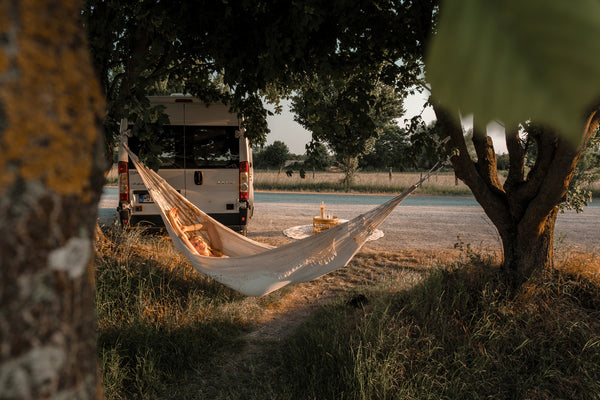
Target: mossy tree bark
524, 208
51, 178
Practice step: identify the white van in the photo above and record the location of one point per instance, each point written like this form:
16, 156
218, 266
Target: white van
204, 156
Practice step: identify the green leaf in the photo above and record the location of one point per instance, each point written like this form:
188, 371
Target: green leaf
514, 60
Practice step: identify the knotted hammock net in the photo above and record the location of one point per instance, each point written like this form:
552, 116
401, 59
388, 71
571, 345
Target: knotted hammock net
250, 267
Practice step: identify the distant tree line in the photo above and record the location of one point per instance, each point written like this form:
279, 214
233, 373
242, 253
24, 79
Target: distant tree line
394, 148
401, 151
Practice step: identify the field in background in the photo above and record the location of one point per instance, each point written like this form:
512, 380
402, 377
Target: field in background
442, 183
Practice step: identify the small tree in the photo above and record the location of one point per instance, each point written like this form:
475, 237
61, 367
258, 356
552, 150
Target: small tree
517, 73
347, 113
274, 155
390, 150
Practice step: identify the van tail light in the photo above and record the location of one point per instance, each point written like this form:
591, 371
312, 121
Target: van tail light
123, 170
244, 180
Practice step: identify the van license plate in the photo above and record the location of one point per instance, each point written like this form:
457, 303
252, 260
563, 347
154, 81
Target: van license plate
145, 198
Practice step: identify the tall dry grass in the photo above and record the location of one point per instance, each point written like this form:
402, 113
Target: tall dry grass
369, 182
442, 183
395, 325
461, 333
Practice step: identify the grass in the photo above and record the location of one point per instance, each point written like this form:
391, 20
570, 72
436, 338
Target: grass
441, 184
416, 325
365, 182
459, 334
158, 320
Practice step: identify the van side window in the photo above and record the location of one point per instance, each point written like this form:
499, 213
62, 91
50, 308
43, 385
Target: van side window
172, 147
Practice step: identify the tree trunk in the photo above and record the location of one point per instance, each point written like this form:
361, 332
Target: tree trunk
528, 247
51, 178
349, 166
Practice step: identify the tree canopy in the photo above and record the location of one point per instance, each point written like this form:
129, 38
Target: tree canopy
245, 52
272, 156
515, 61
511, 61
347, 113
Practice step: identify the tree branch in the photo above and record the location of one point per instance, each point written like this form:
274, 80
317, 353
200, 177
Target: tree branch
547, 144
522, 193
555, 184
493, 201
487, 165
516, 157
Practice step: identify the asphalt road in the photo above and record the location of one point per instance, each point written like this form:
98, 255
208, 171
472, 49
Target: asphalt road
409, 227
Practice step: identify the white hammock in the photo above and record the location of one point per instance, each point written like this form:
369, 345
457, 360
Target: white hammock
254, 268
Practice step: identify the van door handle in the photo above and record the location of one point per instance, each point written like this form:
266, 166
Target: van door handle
198, 177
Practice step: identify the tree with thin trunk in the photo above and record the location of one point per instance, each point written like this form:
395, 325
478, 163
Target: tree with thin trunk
51, 178
347, 112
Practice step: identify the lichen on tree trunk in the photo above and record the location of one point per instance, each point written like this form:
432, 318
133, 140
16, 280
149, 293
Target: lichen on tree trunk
51, 177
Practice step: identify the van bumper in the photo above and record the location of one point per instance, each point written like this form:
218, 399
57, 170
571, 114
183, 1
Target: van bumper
238, 221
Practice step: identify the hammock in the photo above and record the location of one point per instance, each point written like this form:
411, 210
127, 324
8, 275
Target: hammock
254, 268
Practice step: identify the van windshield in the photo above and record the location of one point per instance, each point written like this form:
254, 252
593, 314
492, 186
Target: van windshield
193, 147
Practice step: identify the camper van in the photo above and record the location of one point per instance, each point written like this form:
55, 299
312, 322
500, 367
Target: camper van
204, 156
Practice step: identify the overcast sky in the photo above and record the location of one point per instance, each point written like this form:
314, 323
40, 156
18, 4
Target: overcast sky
284, 128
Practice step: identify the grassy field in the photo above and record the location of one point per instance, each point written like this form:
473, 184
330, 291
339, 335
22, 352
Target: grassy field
442, 183
396, 325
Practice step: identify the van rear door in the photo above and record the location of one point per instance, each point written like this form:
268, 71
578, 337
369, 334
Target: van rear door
212, 168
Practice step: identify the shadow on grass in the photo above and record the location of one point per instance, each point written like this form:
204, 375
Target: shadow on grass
459, 333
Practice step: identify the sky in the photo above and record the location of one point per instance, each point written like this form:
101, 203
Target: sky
285, 129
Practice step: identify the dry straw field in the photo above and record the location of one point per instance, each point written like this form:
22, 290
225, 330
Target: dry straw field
441, 183
370, 182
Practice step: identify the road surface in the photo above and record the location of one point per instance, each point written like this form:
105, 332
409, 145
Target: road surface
409, 227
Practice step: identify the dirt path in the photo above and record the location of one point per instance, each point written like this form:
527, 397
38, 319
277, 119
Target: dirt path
403, 269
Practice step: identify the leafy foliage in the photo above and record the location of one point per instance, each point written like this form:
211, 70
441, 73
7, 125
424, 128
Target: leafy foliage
389, 150
274, 155
347, 113
587, 172
247, 52
317, 156
518, 60
143, 48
